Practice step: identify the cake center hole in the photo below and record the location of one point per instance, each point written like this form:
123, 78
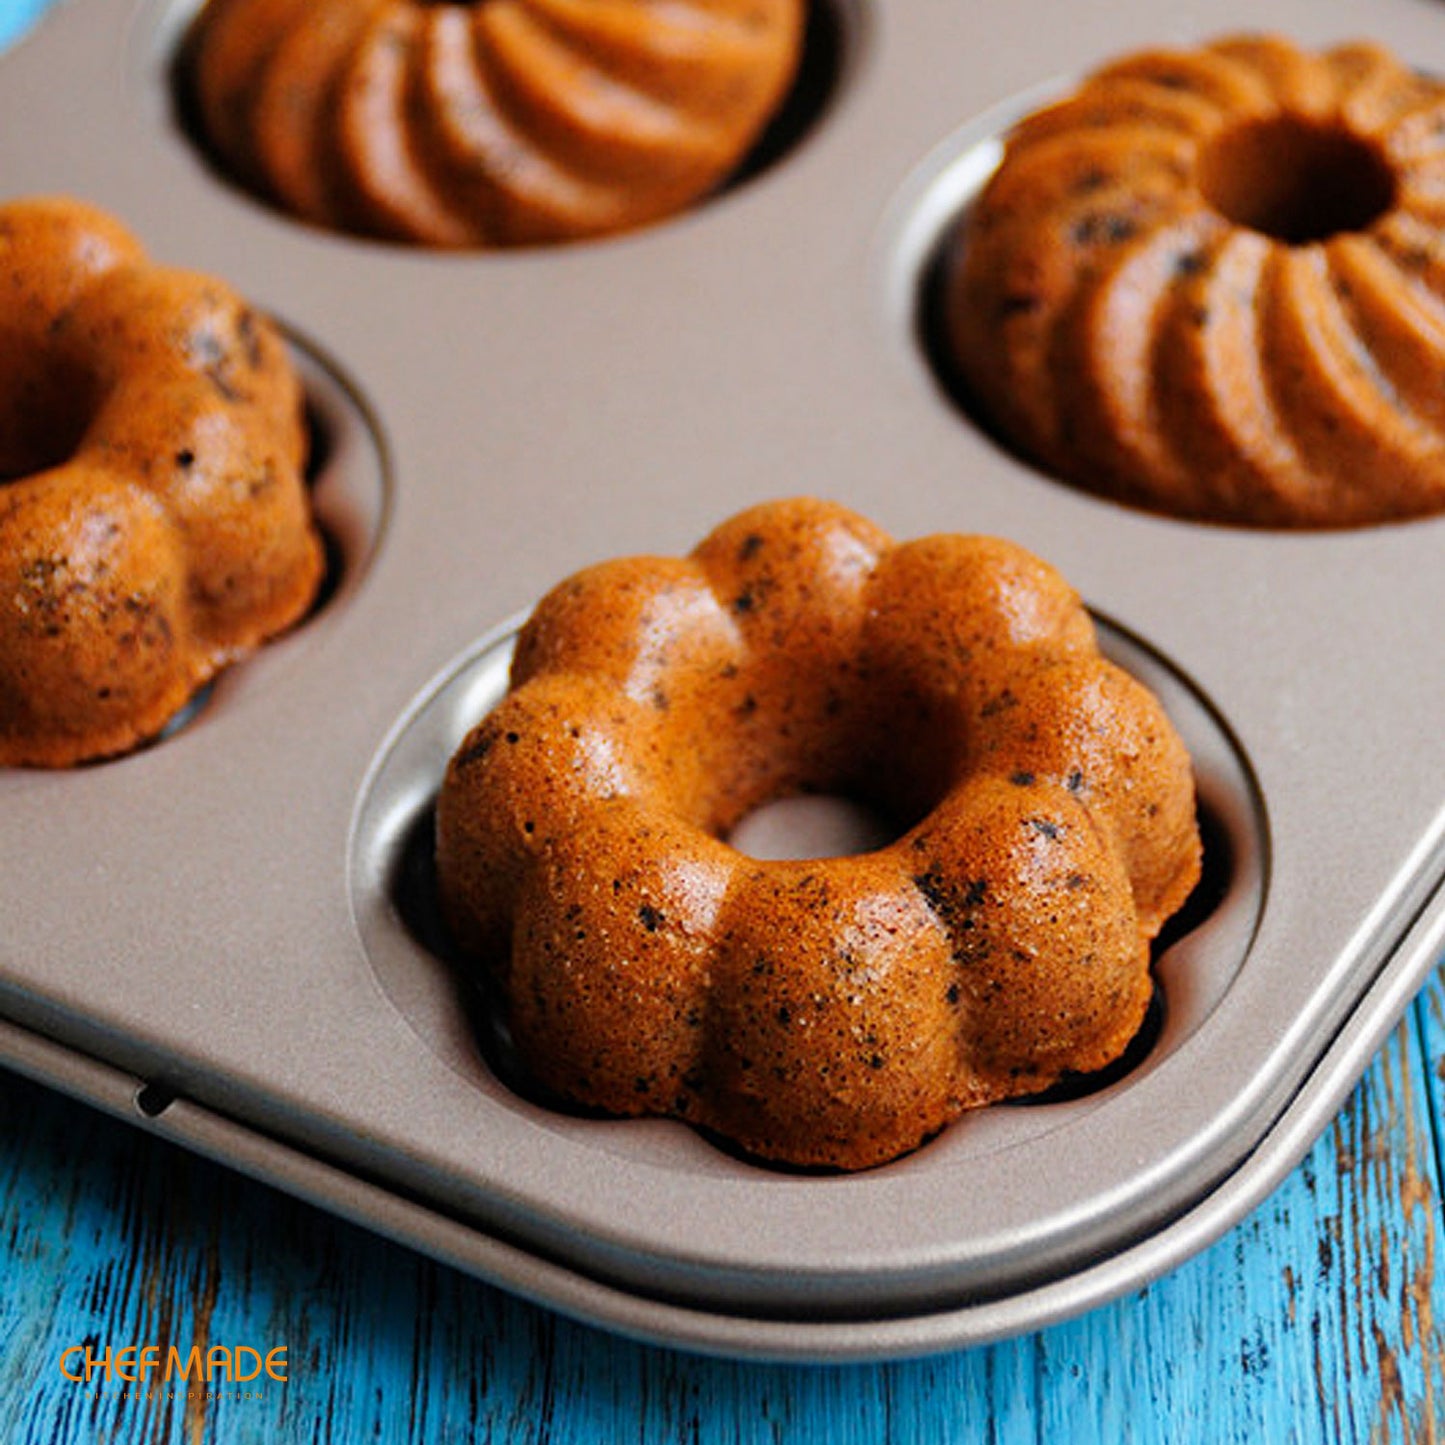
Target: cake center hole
1295, 180
44, 412
812, 825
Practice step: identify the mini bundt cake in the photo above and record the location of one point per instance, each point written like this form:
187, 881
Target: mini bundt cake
1212, 283
154, 522
833, 1011
493, 123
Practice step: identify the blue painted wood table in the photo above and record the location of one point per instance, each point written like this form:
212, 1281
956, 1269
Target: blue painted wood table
1317, 1318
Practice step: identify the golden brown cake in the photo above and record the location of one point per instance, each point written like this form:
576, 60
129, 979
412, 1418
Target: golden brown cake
832, 1011
154, 524
495, 123
1212, 283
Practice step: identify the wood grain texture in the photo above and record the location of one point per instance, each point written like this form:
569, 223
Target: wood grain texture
1317, 1319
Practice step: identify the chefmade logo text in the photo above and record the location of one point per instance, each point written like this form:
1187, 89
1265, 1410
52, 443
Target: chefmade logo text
153, 1364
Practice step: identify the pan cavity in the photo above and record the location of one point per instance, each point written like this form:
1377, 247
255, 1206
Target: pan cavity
394, 902
467, 127
1183, 308
347, 480
344, 481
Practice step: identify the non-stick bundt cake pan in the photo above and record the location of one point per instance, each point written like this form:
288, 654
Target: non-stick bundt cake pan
227, 936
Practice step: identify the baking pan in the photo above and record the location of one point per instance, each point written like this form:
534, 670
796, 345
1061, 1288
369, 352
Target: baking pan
226, 938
